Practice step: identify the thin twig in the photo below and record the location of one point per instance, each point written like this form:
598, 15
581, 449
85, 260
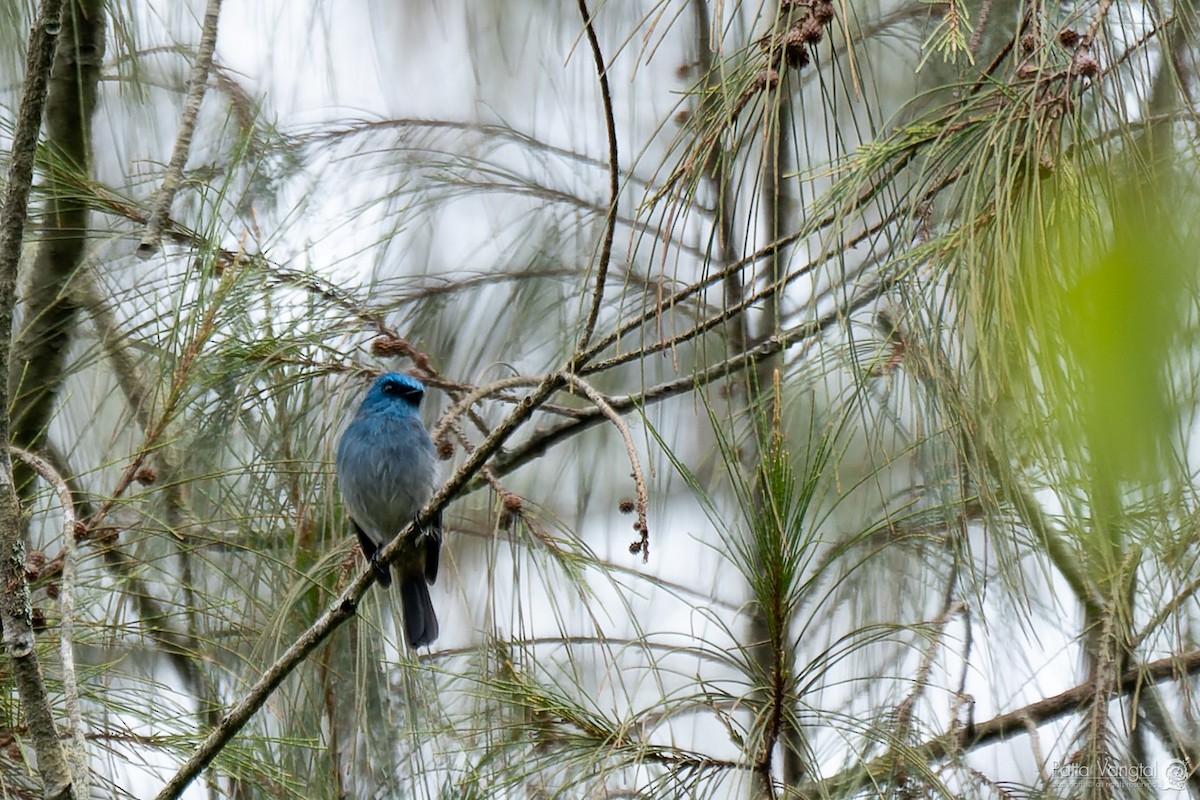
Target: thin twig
985, 11
197, 85
1165, 610
1093, 28
604, 406
614, 180
473, 396
950, 607
77, 756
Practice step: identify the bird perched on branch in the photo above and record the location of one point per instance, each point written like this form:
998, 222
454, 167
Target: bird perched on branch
385, 467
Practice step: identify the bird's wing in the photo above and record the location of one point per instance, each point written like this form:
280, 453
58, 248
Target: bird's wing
433, 547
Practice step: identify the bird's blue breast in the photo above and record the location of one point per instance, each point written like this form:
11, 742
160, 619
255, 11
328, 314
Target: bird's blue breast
385, 465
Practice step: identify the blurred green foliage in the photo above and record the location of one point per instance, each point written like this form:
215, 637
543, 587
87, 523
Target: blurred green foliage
1104, 283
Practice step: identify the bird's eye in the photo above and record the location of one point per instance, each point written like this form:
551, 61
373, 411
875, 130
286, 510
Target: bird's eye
402, 390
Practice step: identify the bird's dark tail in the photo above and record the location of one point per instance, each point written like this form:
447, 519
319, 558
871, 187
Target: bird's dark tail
420, 623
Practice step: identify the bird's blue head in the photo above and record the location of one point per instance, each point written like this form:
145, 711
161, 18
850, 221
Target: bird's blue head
394, 392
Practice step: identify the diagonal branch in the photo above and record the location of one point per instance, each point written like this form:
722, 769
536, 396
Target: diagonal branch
343, 608
197, 85
868, 776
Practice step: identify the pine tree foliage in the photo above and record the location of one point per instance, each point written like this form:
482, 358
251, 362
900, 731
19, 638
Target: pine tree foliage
815, 385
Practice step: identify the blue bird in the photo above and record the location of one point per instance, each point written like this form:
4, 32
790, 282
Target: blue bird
385, 467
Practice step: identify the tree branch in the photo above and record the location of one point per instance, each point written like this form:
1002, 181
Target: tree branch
604, 406
40, 352
77, 756
197, 85
541, 441
1003, 726
344, 607
614, 181
15, 610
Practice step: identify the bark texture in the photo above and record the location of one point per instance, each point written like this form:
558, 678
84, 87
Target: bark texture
39, 355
